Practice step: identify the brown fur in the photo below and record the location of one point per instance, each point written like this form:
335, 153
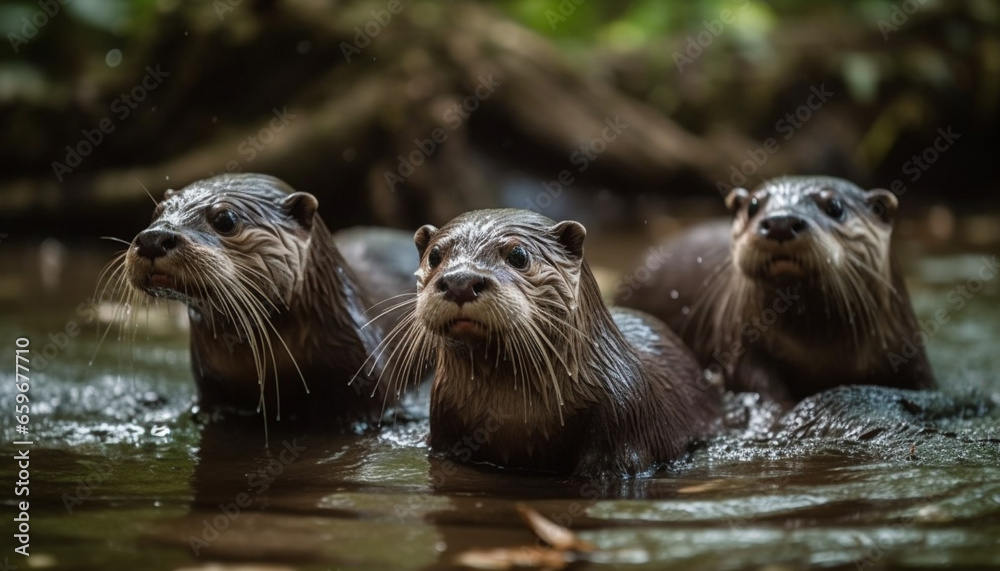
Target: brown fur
274, 307
549, 379
840, 315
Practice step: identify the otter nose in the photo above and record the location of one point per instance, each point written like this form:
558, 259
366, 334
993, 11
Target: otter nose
782, 228
155, 243
462, 286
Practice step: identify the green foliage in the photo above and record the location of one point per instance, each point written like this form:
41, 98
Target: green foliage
634, 23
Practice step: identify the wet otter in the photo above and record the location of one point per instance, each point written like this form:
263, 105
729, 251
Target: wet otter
799, 293
278, 316
533, 371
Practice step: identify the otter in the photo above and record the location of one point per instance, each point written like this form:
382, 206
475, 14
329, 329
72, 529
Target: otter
799, 293
280, 321
533, 372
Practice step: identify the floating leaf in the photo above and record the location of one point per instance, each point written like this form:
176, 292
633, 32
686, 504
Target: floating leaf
550, 532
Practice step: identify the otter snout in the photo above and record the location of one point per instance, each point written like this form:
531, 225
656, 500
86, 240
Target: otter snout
782, 227
463, 286
152, 244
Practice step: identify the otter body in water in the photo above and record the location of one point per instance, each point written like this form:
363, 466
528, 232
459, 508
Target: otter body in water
278, 316
533, 371
799, 293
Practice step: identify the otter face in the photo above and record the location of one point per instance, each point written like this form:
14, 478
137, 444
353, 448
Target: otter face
493, 271
802, 228
232, 238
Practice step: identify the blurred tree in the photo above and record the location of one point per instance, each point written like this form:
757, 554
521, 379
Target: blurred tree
357, 89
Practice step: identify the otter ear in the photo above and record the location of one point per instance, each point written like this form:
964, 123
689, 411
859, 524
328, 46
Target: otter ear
302, 207
736, 198
883, 203
423, 236
571, 235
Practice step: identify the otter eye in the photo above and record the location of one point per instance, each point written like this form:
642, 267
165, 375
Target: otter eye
834, 208
224, 221
517, 258
753, 207
434, 257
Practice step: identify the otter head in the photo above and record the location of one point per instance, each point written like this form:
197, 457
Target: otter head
502, 274
814, 229
231, 240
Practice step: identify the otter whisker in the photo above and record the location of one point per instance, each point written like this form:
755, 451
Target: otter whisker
376, 356
391, 299
547, 361
391, 309
411, 340
146, 190
119, 240
399, 340
117, 276
260, 314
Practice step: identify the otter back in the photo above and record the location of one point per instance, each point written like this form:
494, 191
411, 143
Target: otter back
799, 293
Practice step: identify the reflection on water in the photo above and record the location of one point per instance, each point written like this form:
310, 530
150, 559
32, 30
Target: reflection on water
122, 474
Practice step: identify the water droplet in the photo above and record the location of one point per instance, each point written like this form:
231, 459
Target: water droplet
699, 259
215, 119
113, 58
685, 310
160, 431
303, 47
674, 294
350, 154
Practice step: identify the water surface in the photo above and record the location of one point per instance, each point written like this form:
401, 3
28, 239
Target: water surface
125, 476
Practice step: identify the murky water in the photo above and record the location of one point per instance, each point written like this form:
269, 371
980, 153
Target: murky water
123, 476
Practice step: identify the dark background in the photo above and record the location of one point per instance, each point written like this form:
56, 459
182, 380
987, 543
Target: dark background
897, 71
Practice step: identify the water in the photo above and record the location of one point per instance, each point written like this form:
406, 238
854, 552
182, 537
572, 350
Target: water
124, 476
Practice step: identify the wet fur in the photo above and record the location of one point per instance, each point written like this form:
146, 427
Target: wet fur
852, 310
556, 382
279, 321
